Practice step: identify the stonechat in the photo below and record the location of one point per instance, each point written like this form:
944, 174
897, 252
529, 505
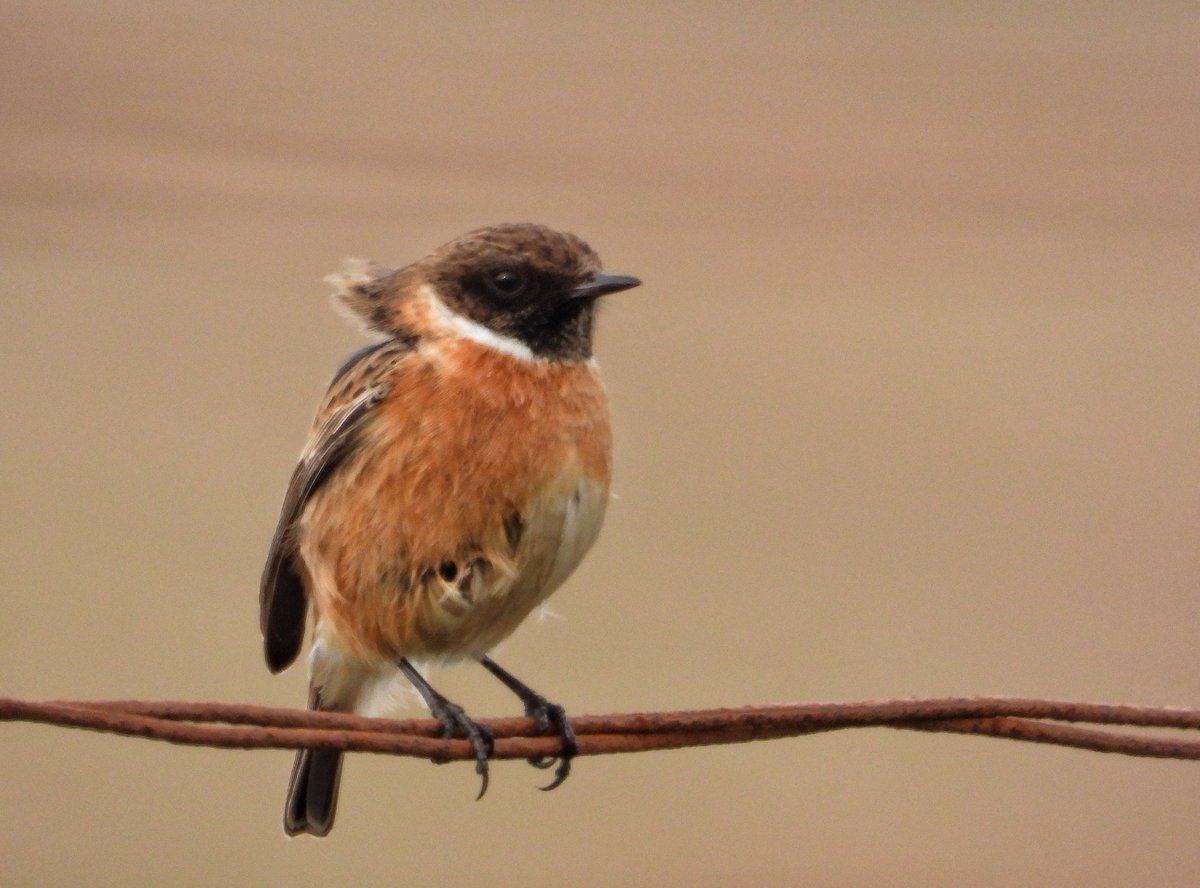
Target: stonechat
456, 473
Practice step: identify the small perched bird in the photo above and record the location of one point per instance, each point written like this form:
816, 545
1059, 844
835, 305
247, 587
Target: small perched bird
456, 473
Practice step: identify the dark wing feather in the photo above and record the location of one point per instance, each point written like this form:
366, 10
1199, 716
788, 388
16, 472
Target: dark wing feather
283, 600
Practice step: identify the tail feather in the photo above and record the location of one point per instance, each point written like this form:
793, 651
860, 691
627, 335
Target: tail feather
338, 683
313, 792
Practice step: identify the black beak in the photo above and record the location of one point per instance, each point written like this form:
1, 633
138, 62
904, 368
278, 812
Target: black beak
601, 283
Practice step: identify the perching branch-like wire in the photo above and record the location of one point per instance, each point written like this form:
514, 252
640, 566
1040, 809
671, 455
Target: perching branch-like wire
244, 726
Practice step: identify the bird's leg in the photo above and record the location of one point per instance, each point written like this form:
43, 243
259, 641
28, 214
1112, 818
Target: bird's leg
455, 722
549, 717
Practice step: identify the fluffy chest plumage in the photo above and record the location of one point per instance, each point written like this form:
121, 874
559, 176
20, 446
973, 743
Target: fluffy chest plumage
475, 490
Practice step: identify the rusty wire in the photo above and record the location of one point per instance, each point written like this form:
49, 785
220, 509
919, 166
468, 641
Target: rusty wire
245, 726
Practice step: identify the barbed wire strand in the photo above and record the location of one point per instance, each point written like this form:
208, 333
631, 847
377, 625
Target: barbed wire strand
247, 726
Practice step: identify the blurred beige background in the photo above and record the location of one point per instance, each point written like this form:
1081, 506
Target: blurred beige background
908, 404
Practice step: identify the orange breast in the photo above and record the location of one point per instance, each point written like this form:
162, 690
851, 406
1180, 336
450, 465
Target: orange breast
466, 439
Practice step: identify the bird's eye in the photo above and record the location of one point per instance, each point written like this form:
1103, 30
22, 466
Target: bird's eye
507, 282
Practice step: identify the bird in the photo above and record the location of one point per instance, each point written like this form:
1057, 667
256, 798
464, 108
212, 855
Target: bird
456, 473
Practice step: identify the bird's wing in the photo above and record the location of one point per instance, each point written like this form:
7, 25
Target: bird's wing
357, 388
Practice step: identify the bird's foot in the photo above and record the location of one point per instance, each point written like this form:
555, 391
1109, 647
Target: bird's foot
456, 723
551, 718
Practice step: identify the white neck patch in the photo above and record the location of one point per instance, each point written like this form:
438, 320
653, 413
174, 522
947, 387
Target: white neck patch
452, 322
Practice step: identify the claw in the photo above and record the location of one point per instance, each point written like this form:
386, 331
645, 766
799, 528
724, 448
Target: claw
481, 768
456, 723
552, 717
561, 773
